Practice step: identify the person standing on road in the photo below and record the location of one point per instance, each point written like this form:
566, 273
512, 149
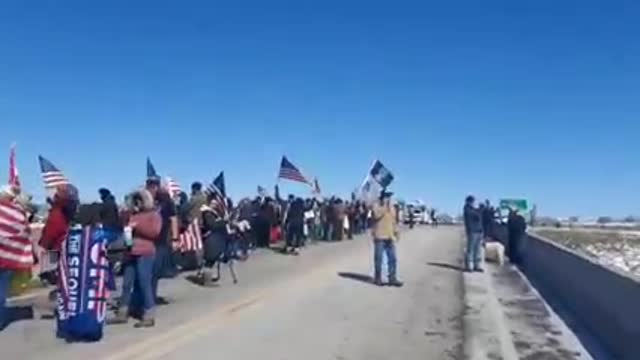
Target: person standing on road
109, 214
385, 234
196, 202
294, 225
434, 218
412, 217
163, 263
352, 215
145, 224
517, 227
488, 215
326, 213
338, 220
474, 232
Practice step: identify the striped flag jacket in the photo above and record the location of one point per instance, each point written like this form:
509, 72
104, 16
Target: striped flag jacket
16, 250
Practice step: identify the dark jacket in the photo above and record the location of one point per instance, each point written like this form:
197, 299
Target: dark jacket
295, 215
487, 220
472, 219
216, 237
487, 216
517, 225
269, 213
109, 214
196, 202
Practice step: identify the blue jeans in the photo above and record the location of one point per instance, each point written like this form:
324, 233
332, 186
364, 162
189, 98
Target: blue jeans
138, 272
5, 282
473, 253
385, 246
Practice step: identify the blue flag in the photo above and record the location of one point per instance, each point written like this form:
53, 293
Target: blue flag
381, 174
83, 273
219, 183
151, 170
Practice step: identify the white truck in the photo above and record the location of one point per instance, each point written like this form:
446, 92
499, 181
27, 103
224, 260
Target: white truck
419, 211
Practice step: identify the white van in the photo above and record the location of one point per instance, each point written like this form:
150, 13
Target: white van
419, 213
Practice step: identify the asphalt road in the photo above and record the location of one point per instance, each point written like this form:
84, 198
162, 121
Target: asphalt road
318, 305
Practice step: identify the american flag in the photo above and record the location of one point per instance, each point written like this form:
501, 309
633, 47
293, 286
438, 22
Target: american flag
191, 238
51, 175
16, 250
14, 178
173, 187
289, 171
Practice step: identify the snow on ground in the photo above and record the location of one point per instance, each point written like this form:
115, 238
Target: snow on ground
616, 249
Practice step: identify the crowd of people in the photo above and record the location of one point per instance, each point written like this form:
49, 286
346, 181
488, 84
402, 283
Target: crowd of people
155, 234
480, 222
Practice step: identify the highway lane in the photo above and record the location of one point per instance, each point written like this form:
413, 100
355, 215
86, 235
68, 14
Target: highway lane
318, 305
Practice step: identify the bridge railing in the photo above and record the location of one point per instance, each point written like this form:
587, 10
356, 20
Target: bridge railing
604, 301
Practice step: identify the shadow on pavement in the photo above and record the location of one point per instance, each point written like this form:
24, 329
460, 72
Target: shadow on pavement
17, 313
446, 266
357, 277
279, 250
202, 281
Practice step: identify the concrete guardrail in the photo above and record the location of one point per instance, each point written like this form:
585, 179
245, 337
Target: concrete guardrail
604, 301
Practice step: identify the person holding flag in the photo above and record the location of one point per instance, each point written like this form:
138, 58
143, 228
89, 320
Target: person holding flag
63, 206
385, 236
385, 223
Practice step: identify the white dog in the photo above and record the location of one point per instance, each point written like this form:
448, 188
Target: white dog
494, 252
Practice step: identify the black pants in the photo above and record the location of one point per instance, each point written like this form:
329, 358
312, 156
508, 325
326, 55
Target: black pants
326, 231
295, 235
338, 230
515, 248
262, 231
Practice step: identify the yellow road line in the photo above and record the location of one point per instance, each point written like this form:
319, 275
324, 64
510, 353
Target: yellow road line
165, 343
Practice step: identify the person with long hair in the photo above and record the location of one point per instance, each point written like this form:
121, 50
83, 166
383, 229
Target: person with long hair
144, 226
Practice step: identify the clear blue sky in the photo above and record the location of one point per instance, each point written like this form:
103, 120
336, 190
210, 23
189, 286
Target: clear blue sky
539, 99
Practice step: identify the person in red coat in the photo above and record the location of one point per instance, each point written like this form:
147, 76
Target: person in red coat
63, 208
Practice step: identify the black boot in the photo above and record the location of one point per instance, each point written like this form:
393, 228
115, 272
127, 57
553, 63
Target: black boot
395, 282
